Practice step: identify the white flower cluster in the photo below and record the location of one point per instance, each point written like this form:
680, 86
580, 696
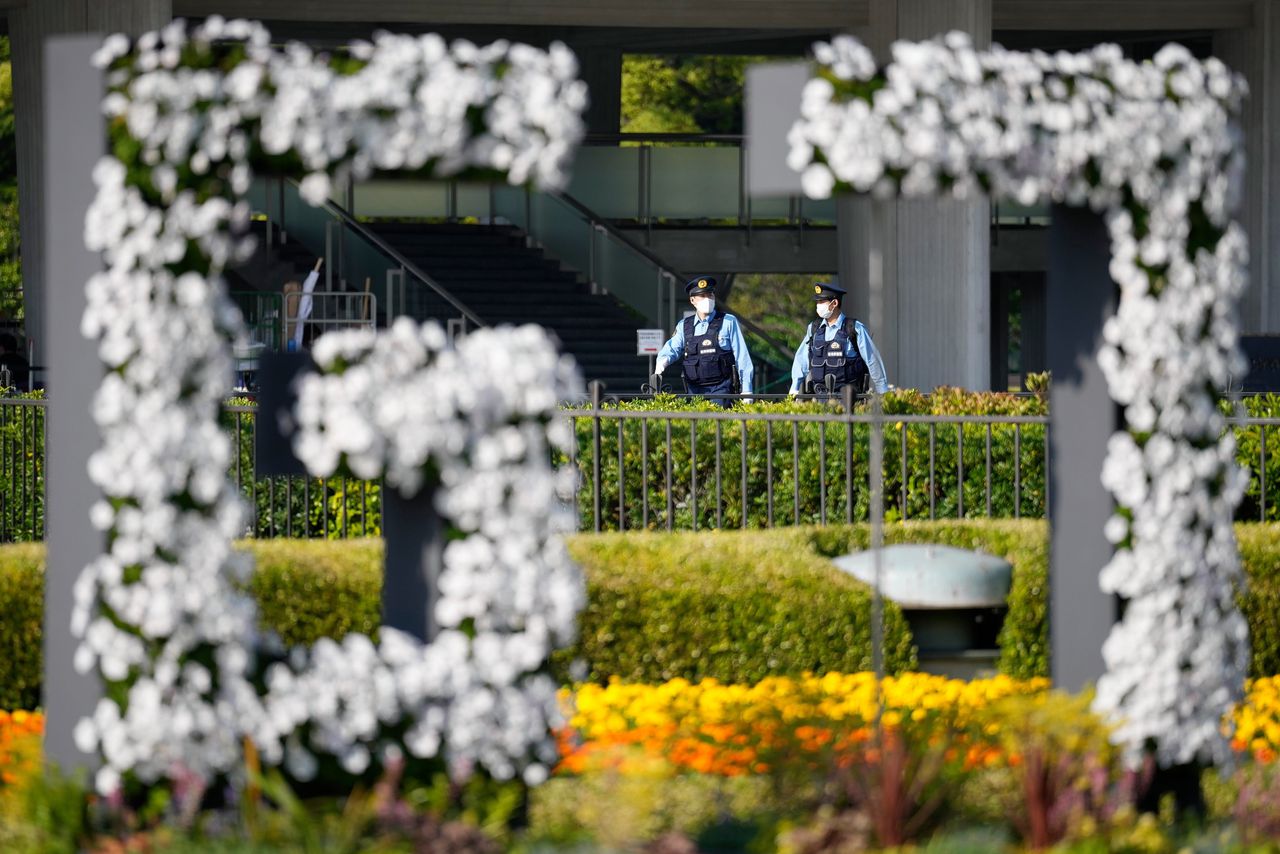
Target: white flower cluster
399, 103
1154, 147
162, 616
404, 403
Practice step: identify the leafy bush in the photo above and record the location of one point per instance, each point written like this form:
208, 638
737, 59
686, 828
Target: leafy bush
736, 605
328, 508
1249, 452
21, 612
732, 605
1024, 640
22, 434
309, 589
668, 605
785, 479
1260, 600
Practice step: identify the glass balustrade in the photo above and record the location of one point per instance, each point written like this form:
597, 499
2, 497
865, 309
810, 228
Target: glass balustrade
358, 259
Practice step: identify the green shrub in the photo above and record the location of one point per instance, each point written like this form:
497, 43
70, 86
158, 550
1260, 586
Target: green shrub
1024, 638
309, 589
783, 462
733, 605
21, 609
761, 606
22, 432
332, 508
1249, 453
1260, 600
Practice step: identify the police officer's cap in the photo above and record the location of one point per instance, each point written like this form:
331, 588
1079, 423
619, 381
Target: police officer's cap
824, 291
700, 285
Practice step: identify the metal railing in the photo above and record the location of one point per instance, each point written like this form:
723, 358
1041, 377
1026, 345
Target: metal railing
356, 254
22, 455
656, 283
328, 311
688, 470
399, 267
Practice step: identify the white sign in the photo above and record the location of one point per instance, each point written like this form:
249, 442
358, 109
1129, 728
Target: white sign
649, 341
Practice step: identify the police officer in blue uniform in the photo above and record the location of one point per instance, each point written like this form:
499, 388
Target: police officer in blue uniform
837, 351
710, 346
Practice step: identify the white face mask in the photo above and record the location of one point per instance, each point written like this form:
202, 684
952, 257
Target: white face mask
703, 305
824, 310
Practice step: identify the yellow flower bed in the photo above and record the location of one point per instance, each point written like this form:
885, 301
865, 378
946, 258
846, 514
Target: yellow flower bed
1257, 721
711, 727
20, 734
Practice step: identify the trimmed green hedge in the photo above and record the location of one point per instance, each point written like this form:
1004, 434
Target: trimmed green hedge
1024, 639
309, 589
761, 607
732, 605
21, 609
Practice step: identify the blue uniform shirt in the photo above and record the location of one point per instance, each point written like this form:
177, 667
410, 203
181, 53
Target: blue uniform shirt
866, 347
730, 339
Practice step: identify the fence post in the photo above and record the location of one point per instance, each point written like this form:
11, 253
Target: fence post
848, 395
596, 387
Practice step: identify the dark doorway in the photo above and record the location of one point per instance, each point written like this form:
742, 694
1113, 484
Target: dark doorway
1017, 328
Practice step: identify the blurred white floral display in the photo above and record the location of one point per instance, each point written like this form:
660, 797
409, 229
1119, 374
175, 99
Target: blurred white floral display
162, 616
1155, 148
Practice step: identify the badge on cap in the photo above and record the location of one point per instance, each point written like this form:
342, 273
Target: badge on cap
817, 289
702, 283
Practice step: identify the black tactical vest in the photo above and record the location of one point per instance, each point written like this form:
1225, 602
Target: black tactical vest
838, 357
705, 362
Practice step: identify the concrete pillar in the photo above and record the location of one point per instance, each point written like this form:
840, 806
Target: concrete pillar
935, 328
29, 26
1253, 52
75, 139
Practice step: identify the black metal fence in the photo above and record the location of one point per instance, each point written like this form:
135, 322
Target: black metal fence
695, 469
688, 470
22, 443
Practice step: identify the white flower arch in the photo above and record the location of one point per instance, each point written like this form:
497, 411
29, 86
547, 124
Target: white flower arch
191, 113
1154, 147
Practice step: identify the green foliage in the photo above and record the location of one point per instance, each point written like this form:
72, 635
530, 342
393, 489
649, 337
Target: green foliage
683, 94
309, 589
1024, 638
1249, 452
333, 508
735, 605
1260, 600
781, 304
44, 813
732, 605
787, 481
22, 441
619, 812
10, 262
21, 610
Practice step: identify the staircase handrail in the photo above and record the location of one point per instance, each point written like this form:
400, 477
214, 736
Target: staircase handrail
391, 252
732, 139
649, 256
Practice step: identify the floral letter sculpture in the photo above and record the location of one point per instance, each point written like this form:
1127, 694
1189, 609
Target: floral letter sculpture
189, 680
1153, 147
